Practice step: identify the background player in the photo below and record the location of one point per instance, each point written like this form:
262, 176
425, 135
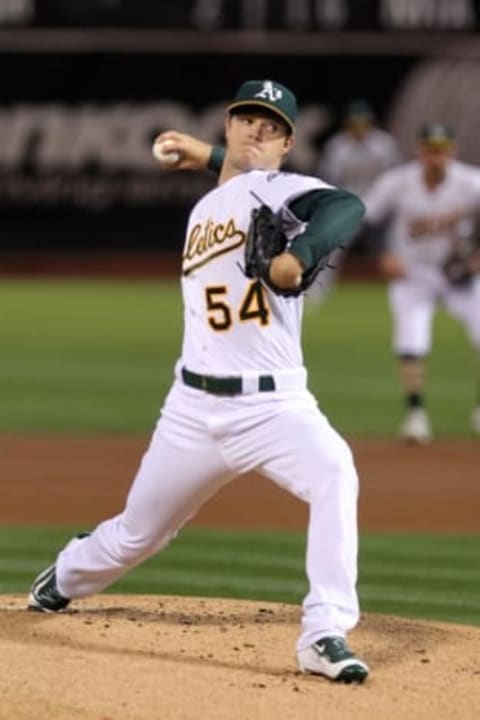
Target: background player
431, 206
352, 159
356, 155
239, 401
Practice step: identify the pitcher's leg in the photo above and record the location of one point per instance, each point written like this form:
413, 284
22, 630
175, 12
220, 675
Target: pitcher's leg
315, 464
331, 605
170, 486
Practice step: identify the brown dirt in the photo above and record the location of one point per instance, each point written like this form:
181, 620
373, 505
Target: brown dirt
133, 658
61, 480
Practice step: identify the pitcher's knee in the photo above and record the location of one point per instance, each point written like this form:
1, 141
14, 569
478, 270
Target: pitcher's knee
131, 550
337, 475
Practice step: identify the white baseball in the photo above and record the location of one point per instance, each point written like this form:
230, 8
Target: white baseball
163, 154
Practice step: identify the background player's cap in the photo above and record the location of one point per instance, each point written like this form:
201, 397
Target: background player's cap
359, 109
435, 134
268, 94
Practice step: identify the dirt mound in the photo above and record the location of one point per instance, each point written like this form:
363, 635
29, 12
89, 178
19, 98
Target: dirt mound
143, 657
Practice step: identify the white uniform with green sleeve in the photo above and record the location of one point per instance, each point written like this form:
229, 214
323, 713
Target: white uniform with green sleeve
236, 329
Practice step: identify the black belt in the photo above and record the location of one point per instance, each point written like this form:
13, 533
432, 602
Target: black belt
224, 385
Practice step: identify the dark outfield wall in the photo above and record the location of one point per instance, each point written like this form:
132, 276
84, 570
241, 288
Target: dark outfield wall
76, 170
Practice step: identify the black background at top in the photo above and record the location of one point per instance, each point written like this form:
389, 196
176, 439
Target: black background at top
363, 14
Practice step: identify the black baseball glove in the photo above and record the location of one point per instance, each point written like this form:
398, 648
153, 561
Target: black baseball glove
457, 268
266, 238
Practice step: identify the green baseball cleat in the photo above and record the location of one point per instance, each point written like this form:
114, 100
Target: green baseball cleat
332, 658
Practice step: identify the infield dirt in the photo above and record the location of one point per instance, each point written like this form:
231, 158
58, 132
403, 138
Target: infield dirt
70, 479
136, 658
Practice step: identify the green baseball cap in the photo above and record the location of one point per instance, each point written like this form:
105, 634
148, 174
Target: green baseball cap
268, 94
436, 134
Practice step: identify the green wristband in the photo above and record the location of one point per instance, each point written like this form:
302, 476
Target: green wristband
216, 159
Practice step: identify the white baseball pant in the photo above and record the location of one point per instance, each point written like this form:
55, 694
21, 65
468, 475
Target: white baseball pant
413, 302
202, 441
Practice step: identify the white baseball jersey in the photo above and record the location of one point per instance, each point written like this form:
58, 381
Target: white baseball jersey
354, 164
231, 323
425, 222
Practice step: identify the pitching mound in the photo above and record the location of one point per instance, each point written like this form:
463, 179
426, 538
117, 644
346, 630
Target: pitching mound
147, 657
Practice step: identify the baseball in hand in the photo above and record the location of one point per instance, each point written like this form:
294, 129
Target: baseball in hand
162, 153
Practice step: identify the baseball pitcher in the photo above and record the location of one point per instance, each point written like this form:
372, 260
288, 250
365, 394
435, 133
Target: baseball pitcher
239, 401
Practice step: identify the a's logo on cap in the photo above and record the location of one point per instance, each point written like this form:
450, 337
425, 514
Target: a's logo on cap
269, 92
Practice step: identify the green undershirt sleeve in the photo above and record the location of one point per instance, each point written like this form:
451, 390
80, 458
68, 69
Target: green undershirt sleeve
333, 217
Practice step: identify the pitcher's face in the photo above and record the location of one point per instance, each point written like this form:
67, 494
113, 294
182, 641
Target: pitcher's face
257, 140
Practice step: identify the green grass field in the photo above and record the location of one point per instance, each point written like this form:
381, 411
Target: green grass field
414, 576
97, 357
